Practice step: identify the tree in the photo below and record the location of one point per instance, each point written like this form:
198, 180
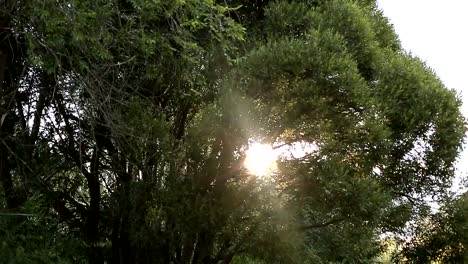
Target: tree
441, 237
124, 126
330, 76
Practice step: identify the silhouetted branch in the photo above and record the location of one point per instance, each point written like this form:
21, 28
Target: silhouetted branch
320, 225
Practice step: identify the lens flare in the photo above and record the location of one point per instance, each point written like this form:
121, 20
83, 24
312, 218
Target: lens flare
260, 159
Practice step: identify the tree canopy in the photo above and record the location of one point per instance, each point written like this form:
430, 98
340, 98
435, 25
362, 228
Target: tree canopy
124, 126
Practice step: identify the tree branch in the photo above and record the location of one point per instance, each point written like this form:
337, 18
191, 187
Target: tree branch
41, 103
321, 225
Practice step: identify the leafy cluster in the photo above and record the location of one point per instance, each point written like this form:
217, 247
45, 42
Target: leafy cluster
124, 126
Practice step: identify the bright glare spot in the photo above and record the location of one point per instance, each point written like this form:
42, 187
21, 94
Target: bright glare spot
260, 159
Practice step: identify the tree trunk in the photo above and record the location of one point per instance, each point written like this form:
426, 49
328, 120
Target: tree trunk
11, 68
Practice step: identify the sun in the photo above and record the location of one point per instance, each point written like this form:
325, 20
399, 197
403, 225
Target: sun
260, 159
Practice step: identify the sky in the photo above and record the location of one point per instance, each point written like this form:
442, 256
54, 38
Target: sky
436, 32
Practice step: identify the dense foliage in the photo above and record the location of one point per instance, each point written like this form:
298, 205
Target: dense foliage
441, 237
124, 126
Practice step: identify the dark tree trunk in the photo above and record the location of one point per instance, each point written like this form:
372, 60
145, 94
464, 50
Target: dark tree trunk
11, 69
